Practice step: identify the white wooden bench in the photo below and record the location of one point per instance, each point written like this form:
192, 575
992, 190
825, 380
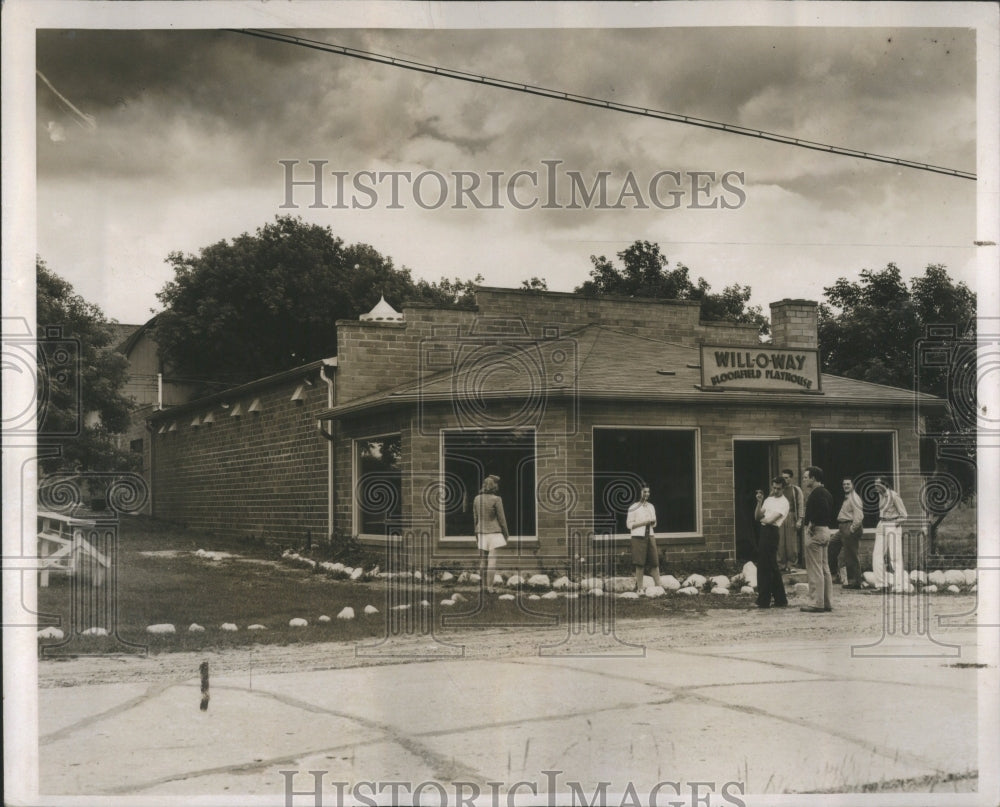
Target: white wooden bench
63, 547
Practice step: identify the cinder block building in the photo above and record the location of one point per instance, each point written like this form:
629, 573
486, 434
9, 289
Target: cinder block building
574, 402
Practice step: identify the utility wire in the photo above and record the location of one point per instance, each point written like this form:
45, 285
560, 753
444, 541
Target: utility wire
560, 95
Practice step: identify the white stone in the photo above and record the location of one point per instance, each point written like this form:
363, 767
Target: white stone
647, 581
954, 589
561, 583
750, 573
346, 613
95, 632
256, 627
696, 580
953, 577
457, 597
229, 626
348, 570
449, 602
323, 618
497, 580
539, 581
371, 609
298, 622
285, 554
337, 567
418, 575
687, 590
720, 581
447, 577
164, 627
474, 578
375, 572
356, 574
619, 584
596, 592
654, 591
869, 578
571, 595
51, 632
506, 597
550, 595
194, 627
970, 576
533, 597
931, 589
720, 590
591, 582
628, 595
746, 590
424, 604
514, 581
936, 577
670, 583
404, 607
975, 587
919, 576
310, 561
463, 578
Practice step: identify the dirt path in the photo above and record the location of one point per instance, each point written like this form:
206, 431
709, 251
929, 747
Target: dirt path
857, 615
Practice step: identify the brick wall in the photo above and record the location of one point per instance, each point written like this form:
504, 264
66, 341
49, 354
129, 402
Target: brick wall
263, 474
564, 465
794, 324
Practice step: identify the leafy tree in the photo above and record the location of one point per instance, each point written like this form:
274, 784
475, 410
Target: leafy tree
645, 273
265, 302
868, 329
81, 406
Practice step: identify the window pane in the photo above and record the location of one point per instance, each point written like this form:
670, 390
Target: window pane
665, 460
380, 483
851, 454
471, 456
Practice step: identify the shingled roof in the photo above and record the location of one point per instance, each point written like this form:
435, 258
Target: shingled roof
598, 362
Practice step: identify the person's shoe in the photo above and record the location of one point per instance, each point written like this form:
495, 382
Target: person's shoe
812, 609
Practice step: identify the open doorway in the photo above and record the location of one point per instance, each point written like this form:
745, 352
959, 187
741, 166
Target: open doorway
755, 463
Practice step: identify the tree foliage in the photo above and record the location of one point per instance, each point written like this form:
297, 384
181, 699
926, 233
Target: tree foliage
868, 329
81, 406
644, 273
265, 302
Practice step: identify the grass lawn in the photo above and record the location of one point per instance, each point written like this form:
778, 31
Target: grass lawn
160, 580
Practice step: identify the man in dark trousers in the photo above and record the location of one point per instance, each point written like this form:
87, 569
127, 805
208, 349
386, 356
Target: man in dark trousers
770, 513
818, 517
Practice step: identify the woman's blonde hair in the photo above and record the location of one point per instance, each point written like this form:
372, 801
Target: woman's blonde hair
491, 484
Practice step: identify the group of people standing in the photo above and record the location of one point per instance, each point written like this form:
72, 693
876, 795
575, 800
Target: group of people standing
814, 513
781, 515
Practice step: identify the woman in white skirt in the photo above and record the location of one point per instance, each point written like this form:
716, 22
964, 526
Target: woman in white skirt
491, 528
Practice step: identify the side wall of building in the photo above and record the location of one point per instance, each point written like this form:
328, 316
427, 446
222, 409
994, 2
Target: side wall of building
261, 473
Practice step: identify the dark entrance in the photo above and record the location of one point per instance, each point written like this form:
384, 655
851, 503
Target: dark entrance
755, 463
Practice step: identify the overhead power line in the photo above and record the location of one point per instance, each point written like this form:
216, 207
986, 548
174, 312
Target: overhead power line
559, 95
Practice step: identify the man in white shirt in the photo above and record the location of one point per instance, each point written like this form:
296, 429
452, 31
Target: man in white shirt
771, 513
640, 521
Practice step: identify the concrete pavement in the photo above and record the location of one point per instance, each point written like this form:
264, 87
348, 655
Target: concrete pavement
767, 717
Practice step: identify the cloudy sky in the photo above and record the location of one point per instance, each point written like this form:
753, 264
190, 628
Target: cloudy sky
153, 141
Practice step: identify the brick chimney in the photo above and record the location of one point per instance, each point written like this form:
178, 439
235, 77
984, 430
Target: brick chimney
794, 324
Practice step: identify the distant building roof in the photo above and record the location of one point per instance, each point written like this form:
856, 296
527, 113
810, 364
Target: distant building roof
121, 333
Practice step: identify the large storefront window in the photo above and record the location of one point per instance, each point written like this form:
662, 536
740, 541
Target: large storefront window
664, 459
859, 456
378, 496
469, 457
